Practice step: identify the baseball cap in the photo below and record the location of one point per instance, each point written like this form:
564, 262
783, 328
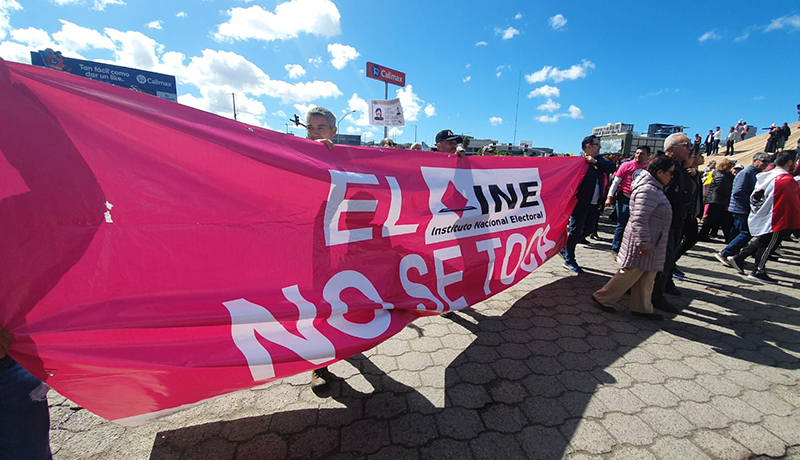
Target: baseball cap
447, 135
739, 166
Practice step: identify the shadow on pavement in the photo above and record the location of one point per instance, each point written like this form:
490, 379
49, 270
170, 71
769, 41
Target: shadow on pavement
518, 390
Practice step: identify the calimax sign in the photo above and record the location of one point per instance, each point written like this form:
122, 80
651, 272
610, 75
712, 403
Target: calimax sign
379, 72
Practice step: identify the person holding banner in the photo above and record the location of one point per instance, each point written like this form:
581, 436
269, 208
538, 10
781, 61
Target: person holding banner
447, 142
590, 193
644, 243
24, 415
321, 126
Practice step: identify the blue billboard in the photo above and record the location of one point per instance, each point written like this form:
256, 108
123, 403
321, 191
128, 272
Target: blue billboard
153, 83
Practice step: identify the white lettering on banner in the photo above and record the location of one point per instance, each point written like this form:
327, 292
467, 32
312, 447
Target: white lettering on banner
442, 280
310, 344
337, 205
417, 290
247, 319
466, 203
390, 228
489, 246
353, 279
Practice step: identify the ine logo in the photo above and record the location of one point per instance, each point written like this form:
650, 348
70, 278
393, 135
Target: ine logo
141, 79
472, 202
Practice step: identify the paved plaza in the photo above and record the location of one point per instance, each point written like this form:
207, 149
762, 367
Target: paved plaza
534, 372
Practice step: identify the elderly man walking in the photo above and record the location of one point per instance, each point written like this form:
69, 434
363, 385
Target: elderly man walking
679, 193
589, 193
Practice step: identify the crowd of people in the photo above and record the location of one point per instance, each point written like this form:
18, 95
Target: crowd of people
665, 204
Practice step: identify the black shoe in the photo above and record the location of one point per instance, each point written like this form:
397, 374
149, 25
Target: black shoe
761, 276
650, 316
672, 290
603, 307
595, 237
663, 305
584, 242
318, 378
736, 264
679, 272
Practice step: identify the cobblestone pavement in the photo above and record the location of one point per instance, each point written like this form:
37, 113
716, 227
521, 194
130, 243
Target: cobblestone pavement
534, 372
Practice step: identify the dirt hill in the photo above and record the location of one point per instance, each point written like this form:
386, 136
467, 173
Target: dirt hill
749, 147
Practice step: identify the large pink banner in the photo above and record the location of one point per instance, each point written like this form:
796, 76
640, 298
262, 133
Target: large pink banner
155, 256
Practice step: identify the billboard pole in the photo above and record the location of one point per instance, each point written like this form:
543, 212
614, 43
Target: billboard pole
385, 97
386, 75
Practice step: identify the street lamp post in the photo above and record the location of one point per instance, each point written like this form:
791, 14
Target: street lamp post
339, 123
415, 133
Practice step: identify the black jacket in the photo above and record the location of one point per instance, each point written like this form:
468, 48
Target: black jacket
679, 194
594, 175
719, 191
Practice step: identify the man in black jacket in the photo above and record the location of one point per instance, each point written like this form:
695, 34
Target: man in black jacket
679, 193
590, 197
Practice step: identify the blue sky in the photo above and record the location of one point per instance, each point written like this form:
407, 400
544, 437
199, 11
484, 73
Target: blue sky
581, 64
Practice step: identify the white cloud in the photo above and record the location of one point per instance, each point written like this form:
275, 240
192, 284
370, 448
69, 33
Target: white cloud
65, 2
545, 91
758, 98
234, 73
496, 121
710, 35
558, 21
507, 33
368, 135
6, 7
547, 118
217, 101
280, 113
155, 24
315, 61
317, 17
498, 71
37, 39
412, 104
557, 75
100, 5
518, 16
468, 66
341, 54
549, 106
361, 117
181, 14
573, 112
295, 70
73, 37
395, 131
15, 52
784, 22
135, 49
481, 43
466, 79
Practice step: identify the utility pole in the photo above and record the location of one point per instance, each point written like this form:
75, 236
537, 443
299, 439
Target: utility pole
234, 105
516, 113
